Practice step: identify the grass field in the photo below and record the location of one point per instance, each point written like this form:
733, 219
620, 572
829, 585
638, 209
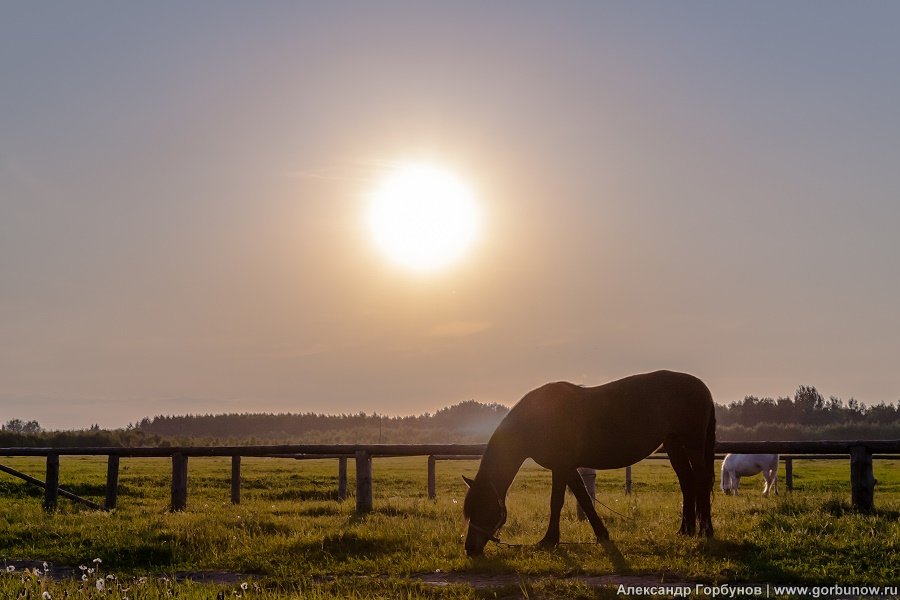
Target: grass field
291, 538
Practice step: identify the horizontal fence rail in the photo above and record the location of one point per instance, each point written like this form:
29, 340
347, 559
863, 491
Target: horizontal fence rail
860, 452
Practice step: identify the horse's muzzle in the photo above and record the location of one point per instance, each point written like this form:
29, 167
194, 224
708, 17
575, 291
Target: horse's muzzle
475, 543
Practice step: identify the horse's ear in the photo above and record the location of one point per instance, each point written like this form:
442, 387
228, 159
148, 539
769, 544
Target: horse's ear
469, 482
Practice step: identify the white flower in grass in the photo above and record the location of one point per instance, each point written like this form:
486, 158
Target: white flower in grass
10, 568
90, 571
98, 560
84, 577
111, 577
100, 585
37, 571
46, 596
82, 567
244, 586
45, 566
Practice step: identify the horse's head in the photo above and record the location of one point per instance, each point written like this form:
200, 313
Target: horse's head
486, 513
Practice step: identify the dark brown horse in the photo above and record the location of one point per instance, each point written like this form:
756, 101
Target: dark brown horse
563, 426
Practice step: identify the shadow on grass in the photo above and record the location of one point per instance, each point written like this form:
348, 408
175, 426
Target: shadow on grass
497, 561
345, 545
615, 556
19, 489
300, 495
319, 511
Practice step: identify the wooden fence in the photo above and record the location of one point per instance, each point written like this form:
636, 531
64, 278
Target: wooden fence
862, 480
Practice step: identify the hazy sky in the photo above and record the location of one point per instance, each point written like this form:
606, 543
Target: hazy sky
707, 187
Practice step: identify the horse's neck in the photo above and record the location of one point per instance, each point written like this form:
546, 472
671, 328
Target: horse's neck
499, 467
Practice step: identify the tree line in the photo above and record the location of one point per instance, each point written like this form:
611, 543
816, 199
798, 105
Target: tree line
468, 422
806, 415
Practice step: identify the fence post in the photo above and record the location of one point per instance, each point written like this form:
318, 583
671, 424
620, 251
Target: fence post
432, 477
179, 481
112, 481
862, 479
363, 481
589, 477
51, 489
789, 474
628, 480
236, 479
342, 478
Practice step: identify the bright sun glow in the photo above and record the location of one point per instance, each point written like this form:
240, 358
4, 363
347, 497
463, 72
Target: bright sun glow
423, 217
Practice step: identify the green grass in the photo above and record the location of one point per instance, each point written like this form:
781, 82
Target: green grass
292, 538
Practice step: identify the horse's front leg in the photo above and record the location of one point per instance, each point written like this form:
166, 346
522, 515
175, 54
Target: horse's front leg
557, 497
576, 484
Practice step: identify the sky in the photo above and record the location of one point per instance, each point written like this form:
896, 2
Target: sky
705, 187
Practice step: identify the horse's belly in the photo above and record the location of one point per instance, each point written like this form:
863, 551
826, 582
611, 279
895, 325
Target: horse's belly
617, 458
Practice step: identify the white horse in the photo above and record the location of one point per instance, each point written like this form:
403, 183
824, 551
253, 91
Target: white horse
736, 466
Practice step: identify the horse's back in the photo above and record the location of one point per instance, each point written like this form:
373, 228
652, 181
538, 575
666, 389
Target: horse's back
750, 464
614, 424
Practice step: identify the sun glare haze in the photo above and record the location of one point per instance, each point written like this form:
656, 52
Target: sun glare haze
423, 217
336, 207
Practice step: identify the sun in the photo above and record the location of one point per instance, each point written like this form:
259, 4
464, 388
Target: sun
423, 217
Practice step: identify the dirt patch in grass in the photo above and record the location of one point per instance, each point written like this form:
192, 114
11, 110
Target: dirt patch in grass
478, 581
481, 581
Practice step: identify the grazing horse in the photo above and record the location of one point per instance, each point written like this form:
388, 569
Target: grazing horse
736, 466
562, 426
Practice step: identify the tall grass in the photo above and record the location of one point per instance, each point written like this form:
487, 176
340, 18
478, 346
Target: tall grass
292, 538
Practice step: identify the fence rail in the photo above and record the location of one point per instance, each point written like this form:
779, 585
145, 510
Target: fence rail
862, 480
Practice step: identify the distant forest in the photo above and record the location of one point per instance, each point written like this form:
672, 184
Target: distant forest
806, 416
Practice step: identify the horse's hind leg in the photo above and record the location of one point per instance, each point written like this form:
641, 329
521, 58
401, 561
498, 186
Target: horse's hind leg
771, 477
557, 498
576, 484
702, 460
681, 462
